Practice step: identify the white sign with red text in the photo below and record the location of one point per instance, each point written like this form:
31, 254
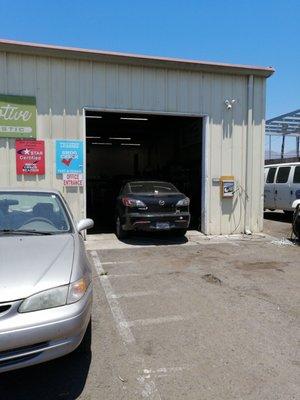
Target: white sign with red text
73, 179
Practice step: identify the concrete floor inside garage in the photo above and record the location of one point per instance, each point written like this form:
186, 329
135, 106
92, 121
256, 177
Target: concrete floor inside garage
209, 318
125, 146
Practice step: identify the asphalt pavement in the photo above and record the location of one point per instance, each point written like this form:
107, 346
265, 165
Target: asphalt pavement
197, 318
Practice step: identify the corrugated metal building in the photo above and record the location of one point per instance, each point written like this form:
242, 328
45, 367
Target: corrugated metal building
72, 84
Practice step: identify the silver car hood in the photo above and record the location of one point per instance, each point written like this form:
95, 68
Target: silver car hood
30, 264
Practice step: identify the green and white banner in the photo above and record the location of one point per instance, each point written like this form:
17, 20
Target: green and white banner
17, 116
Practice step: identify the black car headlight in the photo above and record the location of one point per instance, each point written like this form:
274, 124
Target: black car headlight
183, 203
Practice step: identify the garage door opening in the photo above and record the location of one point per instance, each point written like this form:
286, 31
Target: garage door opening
123, 146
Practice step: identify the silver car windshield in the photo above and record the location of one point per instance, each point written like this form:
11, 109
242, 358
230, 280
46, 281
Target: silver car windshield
32, 212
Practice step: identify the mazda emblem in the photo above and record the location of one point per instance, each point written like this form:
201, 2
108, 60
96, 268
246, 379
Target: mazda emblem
161, 203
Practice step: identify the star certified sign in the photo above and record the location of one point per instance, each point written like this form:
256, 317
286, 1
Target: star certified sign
30, 157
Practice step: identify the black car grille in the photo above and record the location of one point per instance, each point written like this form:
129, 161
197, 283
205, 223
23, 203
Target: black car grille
157, 208
18, 354
4, 308
23, 349
17, 360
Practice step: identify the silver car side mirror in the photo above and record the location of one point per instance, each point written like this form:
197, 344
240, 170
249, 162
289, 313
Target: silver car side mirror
83, 224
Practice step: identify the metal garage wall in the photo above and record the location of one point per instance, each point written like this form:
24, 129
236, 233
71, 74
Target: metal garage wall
63, 87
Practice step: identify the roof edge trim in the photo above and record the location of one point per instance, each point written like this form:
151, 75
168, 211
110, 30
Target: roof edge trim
127, 58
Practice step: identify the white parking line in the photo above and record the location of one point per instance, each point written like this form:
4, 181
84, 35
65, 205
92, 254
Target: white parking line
124, 275
145, 378
116, 262
135, 294
117, 313
148, 388
161, 372
153, 321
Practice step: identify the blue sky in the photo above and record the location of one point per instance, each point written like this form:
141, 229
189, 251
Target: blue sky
259, 32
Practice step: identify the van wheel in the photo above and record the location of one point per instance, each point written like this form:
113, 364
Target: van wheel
121, 234
296, 223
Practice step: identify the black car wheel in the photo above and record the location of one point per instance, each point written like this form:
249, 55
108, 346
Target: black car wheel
121, 234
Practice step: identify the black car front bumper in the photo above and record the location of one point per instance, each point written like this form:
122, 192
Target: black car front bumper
156, 222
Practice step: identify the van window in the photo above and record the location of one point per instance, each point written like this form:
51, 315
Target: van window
271, 175
297, 175
283, 174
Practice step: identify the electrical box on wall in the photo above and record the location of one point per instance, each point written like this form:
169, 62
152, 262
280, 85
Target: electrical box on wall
227, 186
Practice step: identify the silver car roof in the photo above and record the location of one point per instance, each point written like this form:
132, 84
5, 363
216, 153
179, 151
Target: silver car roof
22, 189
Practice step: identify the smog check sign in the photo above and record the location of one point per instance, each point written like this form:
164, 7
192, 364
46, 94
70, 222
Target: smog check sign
17, 117
69, 156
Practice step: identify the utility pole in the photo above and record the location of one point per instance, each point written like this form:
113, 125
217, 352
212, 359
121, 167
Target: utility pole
282, 146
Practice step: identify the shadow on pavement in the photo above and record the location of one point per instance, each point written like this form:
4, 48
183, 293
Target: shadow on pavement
63, 378
284, 231
280, 217
155, 238
296, 242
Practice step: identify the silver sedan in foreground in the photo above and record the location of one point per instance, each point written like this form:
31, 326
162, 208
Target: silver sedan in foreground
45, 279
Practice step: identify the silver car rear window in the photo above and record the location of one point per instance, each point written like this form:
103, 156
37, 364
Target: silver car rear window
152, 187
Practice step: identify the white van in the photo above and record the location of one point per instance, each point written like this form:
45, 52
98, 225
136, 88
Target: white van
282, 186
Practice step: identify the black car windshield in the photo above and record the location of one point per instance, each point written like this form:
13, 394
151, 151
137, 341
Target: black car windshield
32, 212
152, 188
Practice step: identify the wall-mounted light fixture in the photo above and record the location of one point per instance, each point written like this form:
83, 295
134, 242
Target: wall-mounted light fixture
119, 138
102, 143
134, 119
130, 144
93, 116
229, 103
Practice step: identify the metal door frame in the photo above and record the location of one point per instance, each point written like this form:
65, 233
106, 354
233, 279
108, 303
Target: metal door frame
205, 156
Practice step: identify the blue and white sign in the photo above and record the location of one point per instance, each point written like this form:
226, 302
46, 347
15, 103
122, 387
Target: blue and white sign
69, 156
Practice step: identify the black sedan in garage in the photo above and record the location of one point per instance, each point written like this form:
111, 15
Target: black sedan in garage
151, 206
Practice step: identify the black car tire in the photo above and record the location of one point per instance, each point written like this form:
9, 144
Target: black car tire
180, 232
85, 345
121, 234
296, 228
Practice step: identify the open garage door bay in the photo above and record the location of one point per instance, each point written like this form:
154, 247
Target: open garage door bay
127, 146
